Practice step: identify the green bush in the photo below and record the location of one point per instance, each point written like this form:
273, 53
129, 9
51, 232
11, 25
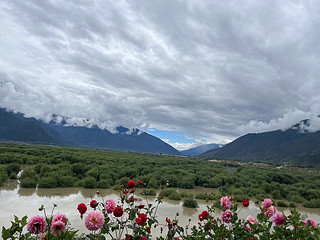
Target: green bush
66, 181
314, 203
27, 182
186, 195
205, 196
292, 205
89, 182
13, 168
153, 183
13, 175
150, 192
282, 204
48, 182
103, 183
175, 196
167, 192
190, 203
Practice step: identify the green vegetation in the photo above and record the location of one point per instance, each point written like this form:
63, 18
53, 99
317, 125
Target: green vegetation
190, 203
48, 167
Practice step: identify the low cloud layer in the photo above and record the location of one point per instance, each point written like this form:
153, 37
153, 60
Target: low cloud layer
214, 70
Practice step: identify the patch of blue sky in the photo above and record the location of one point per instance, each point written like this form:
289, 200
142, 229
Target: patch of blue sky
172, 136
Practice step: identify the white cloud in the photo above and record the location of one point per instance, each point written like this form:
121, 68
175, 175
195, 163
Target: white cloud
212, 69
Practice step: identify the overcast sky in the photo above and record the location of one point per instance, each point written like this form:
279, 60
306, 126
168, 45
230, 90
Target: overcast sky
189, 72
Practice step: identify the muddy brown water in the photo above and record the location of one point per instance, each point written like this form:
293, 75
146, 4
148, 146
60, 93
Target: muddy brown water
22, 201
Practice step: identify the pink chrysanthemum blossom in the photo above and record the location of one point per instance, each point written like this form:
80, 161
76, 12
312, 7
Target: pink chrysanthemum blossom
60, 217
37, 224
252, 220
225, 202
313, 223
266, 203
279, 219
226, 216
94, 220
248, 227
269, 212
110, 206
58, 227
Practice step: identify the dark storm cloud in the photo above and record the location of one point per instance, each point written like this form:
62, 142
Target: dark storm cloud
212, 69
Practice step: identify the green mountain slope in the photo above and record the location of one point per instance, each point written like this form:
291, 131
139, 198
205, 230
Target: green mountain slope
275, 147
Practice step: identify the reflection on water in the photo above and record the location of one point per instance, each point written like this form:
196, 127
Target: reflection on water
20, 202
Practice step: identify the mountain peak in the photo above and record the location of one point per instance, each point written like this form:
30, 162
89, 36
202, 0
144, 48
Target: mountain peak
16, 127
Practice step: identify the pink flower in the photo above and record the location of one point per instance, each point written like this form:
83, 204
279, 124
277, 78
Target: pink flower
226, 216
266, 203
279, 219
248, 227
59, 217
110, 206
269, 212
94, 220
58, 227
37, 224
313, 223
225, 202
252, 220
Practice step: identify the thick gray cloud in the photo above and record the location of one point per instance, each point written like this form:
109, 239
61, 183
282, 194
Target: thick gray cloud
211, 69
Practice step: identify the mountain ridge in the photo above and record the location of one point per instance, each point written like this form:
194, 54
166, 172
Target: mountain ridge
277, 146
195, 151
16, 127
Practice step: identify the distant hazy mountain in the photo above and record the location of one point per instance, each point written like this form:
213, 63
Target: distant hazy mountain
18, 128
200, 149
275, 147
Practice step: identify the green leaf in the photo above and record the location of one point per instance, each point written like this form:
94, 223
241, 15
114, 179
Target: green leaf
6, 234
24, 221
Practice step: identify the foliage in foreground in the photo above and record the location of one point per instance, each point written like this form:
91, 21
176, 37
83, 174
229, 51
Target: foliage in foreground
126, 220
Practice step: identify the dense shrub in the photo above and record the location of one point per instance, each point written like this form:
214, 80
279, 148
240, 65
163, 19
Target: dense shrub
13, 168
175, 196
48, 182
205, 196
149, 191
27, 182
190, 203
282, 204
89, 182
186, 195
99, 168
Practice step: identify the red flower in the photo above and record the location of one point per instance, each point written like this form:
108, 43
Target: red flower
142, 219
143, 238
204, 215
93, 204
245, 203
131, 184
141, 183
118, 211
132, 191
125, 191
141, 206
128, 237
82, 208
131, 199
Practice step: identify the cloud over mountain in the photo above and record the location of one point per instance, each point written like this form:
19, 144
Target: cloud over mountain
210, 68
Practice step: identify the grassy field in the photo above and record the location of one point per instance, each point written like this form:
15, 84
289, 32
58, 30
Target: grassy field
49, 167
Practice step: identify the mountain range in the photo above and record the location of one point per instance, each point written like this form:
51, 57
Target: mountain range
294, 146
16, 127
200, 149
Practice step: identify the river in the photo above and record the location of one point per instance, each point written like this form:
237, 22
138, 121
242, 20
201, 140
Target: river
22, 201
